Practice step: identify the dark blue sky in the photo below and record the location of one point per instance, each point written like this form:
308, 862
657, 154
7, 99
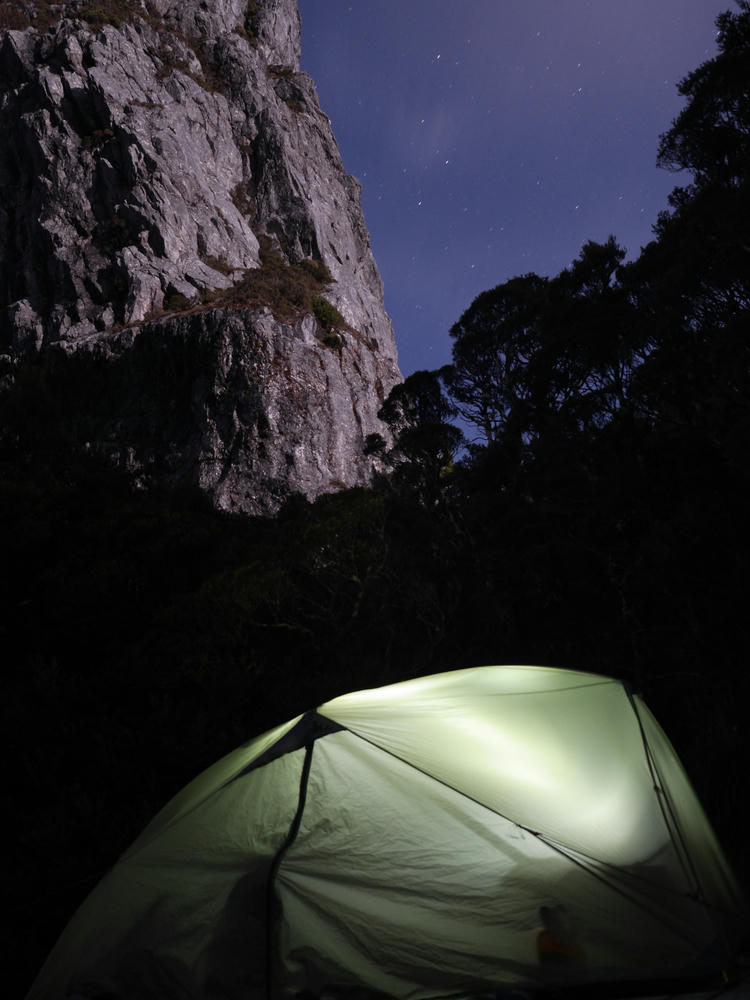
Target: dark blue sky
494, 137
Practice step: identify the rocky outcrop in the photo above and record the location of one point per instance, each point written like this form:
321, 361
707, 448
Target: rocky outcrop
156, 161
243, 406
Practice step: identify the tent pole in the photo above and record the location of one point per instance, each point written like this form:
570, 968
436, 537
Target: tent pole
676, 834
670, 820
271, 905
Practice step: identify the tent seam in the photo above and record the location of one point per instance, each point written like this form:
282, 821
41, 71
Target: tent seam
534, 833
276, 864
667, 811
670, 820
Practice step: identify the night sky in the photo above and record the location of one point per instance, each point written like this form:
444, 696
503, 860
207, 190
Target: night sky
494, 137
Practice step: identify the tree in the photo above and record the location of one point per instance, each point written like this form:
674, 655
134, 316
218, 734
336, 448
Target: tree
545, 357
494, 342
425, 443
693, 280
583, 365
711, 135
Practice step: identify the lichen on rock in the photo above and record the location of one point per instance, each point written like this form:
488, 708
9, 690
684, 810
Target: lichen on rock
151, 151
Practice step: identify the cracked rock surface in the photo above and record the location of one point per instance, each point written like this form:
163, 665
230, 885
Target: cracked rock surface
144, 161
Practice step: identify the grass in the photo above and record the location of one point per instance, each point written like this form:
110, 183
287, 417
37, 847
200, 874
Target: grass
290, 291
280, 71
327, 314
286, 289
218, 264
176, 302
110, 14
19, 15
250, 27
12, 18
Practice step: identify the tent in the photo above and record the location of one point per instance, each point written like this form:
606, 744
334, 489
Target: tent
424, 839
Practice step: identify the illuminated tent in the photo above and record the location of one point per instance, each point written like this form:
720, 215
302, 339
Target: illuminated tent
404, 841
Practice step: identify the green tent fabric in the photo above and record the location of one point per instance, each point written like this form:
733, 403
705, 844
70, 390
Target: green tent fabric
413, 841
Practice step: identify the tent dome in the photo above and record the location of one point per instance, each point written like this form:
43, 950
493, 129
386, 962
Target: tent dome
490, 828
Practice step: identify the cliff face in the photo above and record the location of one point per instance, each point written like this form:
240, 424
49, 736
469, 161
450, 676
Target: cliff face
181, 246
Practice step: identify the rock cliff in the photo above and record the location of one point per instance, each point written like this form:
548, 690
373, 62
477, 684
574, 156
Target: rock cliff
181, 248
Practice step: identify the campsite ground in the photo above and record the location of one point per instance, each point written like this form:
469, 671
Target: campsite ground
738, 991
